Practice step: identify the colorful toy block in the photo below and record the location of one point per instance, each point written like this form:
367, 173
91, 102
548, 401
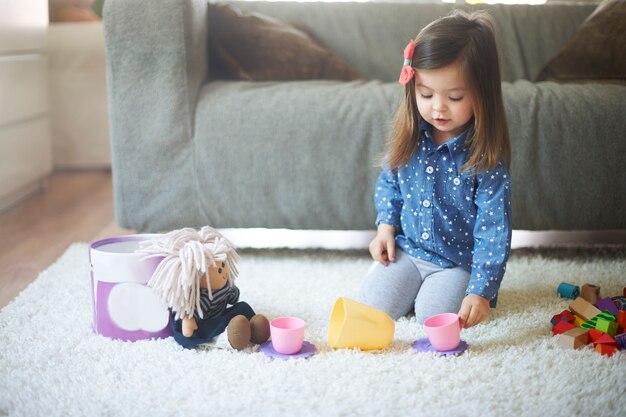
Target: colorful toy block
624, 291
607, 350
606, 315
590, 293
605, 339
621, 318
592, 322
607, 304
620, 302
606, 326
562, 327
578, 321
573, 338
595, 334
567, 290
564, 315
567, 316
555, 319
583, 308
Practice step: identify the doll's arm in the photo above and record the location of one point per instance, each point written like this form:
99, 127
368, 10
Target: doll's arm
233, 295
189, 325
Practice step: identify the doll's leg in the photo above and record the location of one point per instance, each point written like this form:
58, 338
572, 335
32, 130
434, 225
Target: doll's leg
238, 332
216, 326
241, 331
210, 328
259, 329
392, 288
442, 291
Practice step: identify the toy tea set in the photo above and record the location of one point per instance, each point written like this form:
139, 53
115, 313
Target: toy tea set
181, 284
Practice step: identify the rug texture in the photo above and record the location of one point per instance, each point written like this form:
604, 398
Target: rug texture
51, 364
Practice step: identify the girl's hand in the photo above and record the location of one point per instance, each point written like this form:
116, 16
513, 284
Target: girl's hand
383, 246
474, 309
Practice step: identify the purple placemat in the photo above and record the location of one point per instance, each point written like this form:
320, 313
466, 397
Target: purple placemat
423, 345
308, 349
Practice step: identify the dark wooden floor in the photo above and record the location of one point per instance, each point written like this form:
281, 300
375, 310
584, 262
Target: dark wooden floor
75, 206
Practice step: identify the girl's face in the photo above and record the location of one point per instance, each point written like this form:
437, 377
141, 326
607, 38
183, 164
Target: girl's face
444, 101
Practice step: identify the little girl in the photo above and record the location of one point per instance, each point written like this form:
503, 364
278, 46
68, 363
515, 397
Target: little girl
443, 198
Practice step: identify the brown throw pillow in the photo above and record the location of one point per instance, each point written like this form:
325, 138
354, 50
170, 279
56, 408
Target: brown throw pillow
596, 52
260, 48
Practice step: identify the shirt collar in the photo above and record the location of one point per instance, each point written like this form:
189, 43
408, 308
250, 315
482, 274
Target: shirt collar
455, 146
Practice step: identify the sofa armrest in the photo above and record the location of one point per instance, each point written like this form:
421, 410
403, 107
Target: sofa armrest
156, 56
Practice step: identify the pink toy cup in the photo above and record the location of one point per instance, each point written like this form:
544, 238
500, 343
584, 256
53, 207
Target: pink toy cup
444, 331
287, 334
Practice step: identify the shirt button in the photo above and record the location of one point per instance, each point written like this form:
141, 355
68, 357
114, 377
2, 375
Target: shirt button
426, 203
425, 236
456, 181
429, 170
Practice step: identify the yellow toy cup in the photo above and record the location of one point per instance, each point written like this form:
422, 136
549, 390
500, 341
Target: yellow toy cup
356, 325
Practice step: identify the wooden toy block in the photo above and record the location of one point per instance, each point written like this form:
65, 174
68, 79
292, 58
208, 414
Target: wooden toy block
620, 339
590, 324
564, 315
583, 308
605, 339
606, 315
606, 326
567, 316
573, 338
562, 327
555, 319
578, 321
590, 293
621, 318
595, 334
567, 290
607, 304
607, 350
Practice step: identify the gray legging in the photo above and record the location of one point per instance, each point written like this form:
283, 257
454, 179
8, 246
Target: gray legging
410, 283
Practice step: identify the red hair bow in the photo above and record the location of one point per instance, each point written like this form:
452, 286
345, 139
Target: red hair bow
407, 72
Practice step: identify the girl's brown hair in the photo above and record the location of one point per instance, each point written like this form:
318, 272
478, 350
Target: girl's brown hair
467, 40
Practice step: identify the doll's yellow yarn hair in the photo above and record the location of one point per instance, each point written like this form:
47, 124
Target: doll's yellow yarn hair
188, 254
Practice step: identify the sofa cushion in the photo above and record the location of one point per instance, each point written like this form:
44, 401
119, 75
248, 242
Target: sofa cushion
596, 51
568, 150
256, 47
371, 35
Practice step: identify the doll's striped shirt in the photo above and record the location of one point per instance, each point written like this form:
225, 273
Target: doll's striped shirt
216, 306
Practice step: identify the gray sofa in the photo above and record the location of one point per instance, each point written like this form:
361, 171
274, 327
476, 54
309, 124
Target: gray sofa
190, 150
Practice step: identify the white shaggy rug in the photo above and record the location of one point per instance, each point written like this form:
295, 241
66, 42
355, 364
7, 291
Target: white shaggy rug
51, 364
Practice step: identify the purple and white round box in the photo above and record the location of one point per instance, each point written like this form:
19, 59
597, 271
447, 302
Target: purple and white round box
123, 306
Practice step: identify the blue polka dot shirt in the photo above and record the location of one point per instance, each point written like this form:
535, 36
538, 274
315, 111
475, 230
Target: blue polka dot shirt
448, 217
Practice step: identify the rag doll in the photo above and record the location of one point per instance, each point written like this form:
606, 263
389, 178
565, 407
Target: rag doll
196, 281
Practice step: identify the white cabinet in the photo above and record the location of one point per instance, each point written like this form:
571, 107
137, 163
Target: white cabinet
25, 147
79, 124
